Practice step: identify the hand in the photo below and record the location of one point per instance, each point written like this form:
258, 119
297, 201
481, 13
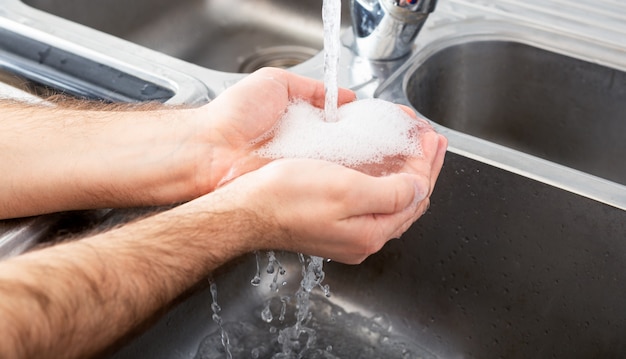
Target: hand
319, 208
248, 110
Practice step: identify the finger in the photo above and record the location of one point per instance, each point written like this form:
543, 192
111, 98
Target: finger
241, 167
414, 212
421, 164
423, 123
345, 96
434, 151
438, 161
410, 216
381, 228
302, 87
385, 195
409, 111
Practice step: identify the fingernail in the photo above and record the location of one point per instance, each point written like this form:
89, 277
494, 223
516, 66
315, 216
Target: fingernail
419, 194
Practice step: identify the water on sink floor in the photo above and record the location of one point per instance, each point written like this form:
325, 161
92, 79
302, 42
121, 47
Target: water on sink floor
338, 335
303, 324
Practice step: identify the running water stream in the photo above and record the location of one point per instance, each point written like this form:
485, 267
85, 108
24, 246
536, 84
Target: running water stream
215, 308
300, 340
331, 17
312, 269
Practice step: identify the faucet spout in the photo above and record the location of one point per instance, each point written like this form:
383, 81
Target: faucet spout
385, 29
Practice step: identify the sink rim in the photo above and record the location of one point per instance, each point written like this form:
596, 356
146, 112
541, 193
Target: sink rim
152, 66
193, 84
552, 173
207, 33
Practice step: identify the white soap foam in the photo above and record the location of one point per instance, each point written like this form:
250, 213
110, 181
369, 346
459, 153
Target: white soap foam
368, 131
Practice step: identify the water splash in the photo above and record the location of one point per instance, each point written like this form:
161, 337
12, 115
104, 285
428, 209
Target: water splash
274, 267
299, 337
331, 16
345, 335
312, 327
256, 280
216, 309
284, 300
266, 313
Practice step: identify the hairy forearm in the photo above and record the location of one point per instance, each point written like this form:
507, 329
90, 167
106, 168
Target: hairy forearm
74, 299
93, 155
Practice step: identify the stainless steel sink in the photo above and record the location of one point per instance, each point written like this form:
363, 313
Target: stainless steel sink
222, 35
521, 254
553, 106
502, 266
516, 257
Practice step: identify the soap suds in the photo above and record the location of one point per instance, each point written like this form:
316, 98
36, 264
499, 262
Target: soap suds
368, 132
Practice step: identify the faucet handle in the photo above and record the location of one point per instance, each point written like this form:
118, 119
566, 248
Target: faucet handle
385, 29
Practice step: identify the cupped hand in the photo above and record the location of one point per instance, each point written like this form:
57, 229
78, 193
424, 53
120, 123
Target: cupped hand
246, 111
320, 208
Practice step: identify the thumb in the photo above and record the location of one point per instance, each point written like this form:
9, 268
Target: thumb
388, 195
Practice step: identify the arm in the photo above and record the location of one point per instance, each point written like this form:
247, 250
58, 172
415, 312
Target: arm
85, 155
77, 298
57, 158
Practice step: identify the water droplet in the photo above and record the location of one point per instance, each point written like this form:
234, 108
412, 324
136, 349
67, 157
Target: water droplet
256, 280
326, 289
215, 307
266, 313
283, 308
274, 287
218, 320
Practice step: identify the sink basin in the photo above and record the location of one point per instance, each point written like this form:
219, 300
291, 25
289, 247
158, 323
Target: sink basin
504, 267
542, 103
218, 34
507, 263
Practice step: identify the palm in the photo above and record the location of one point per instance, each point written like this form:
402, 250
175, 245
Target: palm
249, 109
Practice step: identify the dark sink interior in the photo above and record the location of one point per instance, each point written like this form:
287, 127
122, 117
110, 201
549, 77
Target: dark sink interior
501, 266
224, 35
556, 107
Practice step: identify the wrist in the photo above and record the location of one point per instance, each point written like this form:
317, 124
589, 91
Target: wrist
147, 158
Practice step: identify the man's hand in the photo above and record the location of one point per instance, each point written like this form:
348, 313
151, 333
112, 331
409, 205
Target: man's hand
245, 112
324, 209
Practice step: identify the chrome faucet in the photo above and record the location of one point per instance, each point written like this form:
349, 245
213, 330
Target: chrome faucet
385, 29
